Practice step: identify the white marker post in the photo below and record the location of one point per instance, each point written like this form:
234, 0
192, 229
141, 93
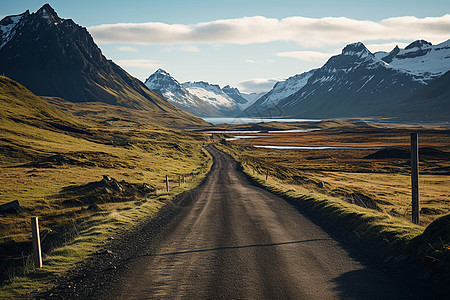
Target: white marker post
167, 183
37, 255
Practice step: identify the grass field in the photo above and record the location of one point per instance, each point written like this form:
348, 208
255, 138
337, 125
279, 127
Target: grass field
364, 192
53, 157
378, 178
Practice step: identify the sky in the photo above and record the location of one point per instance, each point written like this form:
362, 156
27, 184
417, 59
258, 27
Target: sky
246, 44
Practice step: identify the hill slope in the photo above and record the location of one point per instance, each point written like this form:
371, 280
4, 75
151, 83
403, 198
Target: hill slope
56, 57
18, 104
430, 103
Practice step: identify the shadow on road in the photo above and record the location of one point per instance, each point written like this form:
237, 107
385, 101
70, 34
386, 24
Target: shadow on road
366, 284
236, 247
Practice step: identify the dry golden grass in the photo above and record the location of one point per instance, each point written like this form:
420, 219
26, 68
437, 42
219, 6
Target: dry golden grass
44, 149
342, 172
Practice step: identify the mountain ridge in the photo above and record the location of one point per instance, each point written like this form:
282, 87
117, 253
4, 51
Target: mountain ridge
356, 83
201, 98
56, 57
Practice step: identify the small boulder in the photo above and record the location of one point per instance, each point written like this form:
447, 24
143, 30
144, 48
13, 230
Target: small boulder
12, 207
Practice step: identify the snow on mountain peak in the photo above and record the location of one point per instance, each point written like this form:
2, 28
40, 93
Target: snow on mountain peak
7, 25
162, 72
284, 89
418, 44
421, 59
199, 98
211, 92
162, 80
47, 12
356, 49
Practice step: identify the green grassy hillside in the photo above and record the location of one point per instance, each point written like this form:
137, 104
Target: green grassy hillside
52, 161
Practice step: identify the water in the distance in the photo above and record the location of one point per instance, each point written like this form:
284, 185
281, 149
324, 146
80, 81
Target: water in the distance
253, 120
318, 147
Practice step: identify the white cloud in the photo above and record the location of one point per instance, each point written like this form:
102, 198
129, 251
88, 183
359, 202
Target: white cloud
138, 63
127, 49
250, 61
257, 85
313, 56
308, 32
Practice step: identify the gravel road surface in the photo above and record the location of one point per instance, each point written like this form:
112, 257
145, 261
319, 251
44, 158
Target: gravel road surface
233, 240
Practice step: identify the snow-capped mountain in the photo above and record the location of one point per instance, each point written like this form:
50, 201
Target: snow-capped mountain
8, 25
357, 82
213, 94
234, 93
421, 59
280, 91
167, 86
199, 98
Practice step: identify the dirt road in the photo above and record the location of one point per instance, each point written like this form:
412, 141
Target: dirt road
237, 241
232, 240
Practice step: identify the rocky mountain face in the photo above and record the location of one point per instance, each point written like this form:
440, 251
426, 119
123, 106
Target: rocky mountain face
168, 87
430, 103
234, 94
200, 98
267, 103
56, 57
356, 83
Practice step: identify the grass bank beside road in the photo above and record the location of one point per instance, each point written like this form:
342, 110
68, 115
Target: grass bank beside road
88, 171
401, 241
78, 232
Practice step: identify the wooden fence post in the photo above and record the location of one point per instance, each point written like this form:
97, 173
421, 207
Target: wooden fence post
267, 174
37, 255
167, 183
179, 180
415, 178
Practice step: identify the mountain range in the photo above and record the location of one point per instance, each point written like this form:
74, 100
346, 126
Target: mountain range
56, 57
200, 98
356, 83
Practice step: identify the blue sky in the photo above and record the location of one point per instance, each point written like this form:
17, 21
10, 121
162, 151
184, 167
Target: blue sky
247, 44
